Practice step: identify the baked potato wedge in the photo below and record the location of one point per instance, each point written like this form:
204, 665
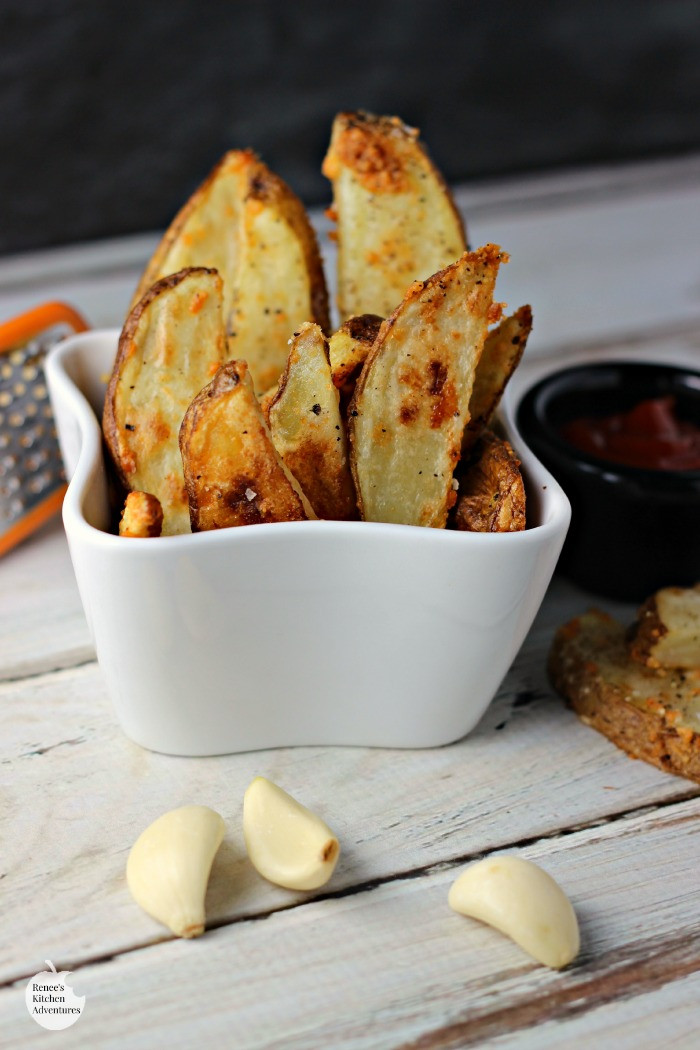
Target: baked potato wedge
349, 346
307, 428
649, 716
411, 402
491, 494
247, 223
503, 349
233, 474
142, 516
666, 633
170, 347
397, 221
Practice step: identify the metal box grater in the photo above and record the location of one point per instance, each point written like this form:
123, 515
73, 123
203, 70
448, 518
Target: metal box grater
32, 482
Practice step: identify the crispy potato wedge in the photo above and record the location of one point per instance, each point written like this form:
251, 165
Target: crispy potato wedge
647, 715
397, 222
491, 494
266, 400
349, 346
233, 474
503, 349
246, 222
142, 516
666, 633
411, 402
308, 430
171, 345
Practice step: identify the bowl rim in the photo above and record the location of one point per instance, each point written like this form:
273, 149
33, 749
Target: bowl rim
611, 469
68, 396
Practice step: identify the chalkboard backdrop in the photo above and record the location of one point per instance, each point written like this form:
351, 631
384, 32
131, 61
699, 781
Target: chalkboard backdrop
113, 112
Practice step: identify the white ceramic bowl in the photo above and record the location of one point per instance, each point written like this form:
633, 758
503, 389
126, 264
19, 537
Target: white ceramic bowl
296, 633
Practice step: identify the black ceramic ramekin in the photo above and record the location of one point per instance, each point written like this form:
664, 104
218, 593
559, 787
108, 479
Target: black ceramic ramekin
633, 530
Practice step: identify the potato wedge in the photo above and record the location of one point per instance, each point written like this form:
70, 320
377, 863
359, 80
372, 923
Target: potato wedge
666, 633
308, 430
411, 402
503, 349
142, 516
349, 346
266, 400
171, 345
650, 716
246, 222
491, 494
233, 474
397, 222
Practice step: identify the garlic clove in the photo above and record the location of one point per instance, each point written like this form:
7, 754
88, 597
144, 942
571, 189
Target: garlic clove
169, 865
521, 900
287, 843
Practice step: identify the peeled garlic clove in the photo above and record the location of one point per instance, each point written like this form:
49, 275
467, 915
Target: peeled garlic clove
169, 865
522, 901
286, 842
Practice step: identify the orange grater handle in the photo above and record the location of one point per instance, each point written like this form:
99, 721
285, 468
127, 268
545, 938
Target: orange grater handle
16, 333
19, 330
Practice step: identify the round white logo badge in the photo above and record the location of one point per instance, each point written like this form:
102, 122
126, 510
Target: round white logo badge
51, 1001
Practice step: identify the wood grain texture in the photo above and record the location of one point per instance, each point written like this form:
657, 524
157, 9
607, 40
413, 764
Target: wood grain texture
664, 1017
530, 769
393, 966
42, 625
376, 959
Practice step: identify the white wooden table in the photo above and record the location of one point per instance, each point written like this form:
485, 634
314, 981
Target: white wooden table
376, 959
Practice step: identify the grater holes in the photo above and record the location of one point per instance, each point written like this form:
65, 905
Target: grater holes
30, 373
5, 398
39, 482
30, 409
16, 358
39, 392
16, 419
9, 486
37, 459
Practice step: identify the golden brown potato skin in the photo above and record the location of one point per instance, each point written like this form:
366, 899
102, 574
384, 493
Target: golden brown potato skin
247, 223
349, 346
491, 495
411, 402
142, 516
308, 429
645, 715
233, 474
170, 347
503, 350
397, 221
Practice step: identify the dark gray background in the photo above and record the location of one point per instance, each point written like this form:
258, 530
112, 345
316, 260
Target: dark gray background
111, 113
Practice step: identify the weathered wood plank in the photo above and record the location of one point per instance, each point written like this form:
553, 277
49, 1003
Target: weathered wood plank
77, 794
393, 966
665, 1017
42, 625
388, 964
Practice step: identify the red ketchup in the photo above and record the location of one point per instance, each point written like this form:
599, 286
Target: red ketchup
650, 435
